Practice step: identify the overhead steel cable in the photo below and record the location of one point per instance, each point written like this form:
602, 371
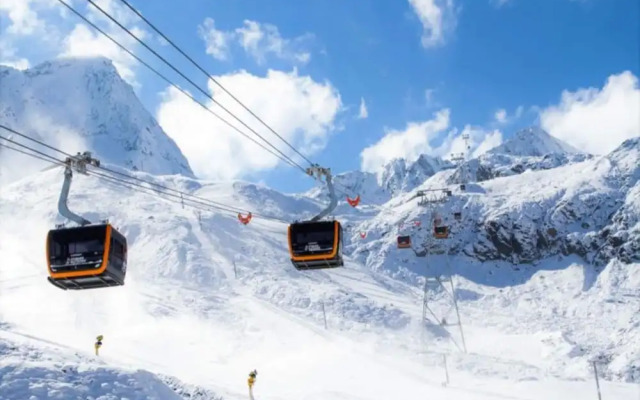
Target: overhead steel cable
168, 81
199, 67
115, 181
282, 157
185, 201
26, 153
44, 155
204, 92
159, 186
180, 195
34, 140
209, 76
165, 190
172, 197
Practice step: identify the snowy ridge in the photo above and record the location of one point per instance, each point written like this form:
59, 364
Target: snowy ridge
83, 104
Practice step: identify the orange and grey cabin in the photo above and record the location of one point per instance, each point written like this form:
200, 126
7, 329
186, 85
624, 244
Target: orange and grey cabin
315, 244
404, 242
86, 257
441, 232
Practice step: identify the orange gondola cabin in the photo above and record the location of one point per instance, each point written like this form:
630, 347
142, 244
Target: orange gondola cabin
441, 232
316, 244
86, 257
404, 242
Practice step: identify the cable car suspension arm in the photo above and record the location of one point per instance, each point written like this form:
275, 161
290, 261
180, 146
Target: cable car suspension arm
318, 171
79, 164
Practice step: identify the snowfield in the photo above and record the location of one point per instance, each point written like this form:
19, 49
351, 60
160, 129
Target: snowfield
530, 332
545, 263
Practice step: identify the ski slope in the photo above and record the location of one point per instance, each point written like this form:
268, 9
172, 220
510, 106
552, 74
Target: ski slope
183, 313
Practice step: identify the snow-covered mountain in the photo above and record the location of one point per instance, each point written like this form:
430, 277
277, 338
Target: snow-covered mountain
529, 149
397, 176
83, 104
585, 208
533, 142
545, 262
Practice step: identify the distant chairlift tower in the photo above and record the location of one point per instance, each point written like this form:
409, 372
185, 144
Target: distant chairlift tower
460, 158
434, 283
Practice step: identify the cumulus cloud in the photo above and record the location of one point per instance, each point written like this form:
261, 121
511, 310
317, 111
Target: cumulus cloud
257, 39
438, 18
482, 140
419, 138
303, 114
82, 41
9, 58
502, 117
24, 16
46, 25
597, 120
216, 41
363, 112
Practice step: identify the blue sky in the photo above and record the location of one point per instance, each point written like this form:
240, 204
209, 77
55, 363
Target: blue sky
424, 76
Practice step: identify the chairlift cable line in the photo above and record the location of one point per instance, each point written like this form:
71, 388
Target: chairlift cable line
198, 66
204, 92
183, 91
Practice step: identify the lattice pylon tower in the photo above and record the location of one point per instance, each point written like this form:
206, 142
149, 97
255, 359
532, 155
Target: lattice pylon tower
460, 158
436, 283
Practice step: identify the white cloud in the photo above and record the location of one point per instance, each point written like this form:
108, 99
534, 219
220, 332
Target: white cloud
216, 41
363, 113
113, 8
257, 40
418, 138
24, 16
438, 18
85, 42
501, 116
18, 63
408, 143
304, 115
50, 33
8, 56
597, 120
482, 140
